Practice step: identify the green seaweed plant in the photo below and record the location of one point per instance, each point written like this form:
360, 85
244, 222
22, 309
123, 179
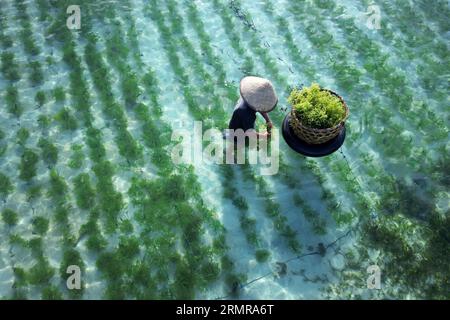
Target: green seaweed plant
248, 225
128, 147
19, 294
20, 284
233, 282
184, 282
144, 286
91, 226
110, 264
20, 277
34, 192
116, 46
3, 148
58, 187
210, 272
12, 101
49, 152
29, 43
10, 217
84, 192
318, 222
6, 186
40, 225
35, 244
128, 247
66, 120
316, 108
96, 242
130, 88
17, 240
126, 226
59, 94
9, 66
50, 61
240, 203
40, 98
36, 75
51, 293
77, 159
61, 213
41, 273
44, 121
6, 41
262, 255
27, 166
401, 197
110, 201
22, 136
226, 263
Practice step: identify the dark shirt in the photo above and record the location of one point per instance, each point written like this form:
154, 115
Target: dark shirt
243, 116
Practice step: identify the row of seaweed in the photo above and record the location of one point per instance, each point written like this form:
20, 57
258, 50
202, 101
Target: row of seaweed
194, 269
366, 44
97, 204
104, 172
36, 76
438, 12
408, 41
41, 272
9, 68
415, 45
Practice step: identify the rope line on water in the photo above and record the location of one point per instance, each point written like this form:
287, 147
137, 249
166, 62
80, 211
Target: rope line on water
321, 253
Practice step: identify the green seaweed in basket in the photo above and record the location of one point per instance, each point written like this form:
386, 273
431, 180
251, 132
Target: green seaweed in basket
317, 108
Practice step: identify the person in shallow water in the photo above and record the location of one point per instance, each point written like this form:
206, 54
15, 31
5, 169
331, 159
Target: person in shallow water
257, 95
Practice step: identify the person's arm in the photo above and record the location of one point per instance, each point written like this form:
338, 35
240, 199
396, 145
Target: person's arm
268, 121
266, 117
263, 135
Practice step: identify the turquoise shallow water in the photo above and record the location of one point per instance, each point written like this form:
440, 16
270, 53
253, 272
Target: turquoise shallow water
87, 178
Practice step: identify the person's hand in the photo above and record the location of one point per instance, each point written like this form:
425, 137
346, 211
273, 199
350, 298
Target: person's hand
264, 135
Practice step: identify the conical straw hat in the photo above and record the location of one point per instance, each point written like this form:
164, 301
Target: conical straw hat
258, 93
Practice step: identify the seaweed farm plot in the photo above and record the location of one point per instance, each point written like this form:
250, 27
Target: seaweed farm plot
94, 203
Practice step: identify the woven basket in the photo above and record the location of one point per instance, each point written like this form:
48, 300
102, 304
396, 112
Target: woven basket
317, 136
